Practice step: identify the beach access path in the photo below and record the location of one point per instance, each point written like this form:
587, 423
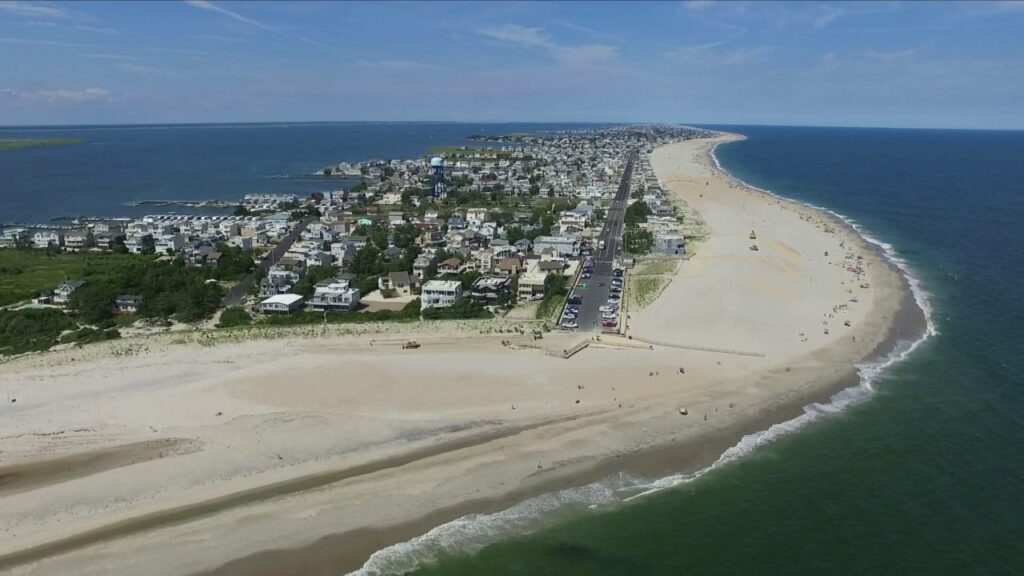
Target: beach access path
308, 454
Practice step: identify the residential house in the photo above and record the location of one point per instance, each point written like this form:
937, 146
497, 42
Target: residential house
63, 292
562, 245
440, 294
13, 237
281, 304
135, 243
77, 240
422, 264
531, 285
669, 245
334, 295
127, 304
395, 284
477, 215
48, 238
169, 244
451, 266
509, 266
489, 288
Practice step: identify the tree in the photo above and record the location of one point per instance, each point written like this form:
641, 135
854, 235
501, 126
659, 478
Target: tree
307, 285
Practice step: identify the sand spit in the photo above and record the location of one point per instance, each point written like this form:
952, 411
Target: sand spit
313, 452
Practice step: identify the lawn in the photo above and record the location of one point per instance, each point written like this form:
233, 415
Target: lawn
26, 272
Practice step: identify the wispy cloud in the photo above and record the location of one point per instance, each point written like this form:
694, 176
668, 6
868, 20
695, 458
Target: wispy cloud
88, 46
828, 15
59, 95
538, 38
211, 7
709, 53
397, 65
95, 29
891, 56
111, 56
146, 70
31, 9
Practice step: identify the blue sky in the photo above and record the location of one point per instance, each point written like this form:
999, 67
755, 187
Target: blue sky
851, 64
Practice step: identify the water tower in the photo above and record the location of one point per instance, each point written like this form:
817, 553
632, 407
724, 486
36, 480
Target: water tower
437, 190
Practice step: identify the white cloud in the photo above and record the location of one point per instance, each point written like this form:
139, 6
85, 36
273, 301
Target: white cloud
146, 70
397, 65
519, 35
31, 9
709, 54
529, 37
829, 14
211, 7
60, 95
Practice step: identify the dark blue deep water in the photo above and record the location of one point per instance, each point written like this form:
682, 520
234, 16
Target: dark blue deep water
119, 164
925, 477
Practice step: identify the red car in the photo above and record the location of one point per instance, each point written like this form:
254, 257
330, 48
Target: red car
610, 325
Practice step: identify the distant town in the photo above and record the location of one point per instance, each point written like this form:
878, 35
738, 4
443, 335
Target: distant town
544, 221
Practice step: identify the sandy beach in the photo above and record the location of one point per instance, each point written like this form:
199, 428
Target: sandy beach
304, 454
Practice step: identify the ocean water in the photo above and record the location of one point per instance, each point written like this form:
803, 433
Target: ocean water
116, 165
919, 470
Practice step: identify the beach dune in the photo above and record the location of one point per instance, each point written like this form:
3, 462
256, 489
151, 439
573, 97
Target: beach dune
305, 455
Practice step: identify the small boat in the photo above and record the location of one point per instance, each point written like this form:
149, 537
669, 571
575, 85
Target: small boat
752, 235
753, 247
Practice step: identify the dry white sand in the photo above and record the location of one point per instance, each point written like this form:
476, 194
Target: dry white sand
383, 436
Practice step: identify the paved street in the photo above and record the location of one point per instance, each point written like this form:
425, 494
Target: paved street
596, 290
237, 294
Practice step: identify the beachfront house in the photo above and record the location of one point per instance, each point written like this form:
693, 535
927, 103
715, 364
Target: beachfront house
669, 245
531, 285
335, 295
281, 304
65, 290
489, 288
395, 284
440, 294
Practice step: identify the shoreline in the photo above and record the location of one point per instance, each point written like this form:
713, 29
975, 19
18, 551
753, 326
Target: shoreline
681, 460
667, 450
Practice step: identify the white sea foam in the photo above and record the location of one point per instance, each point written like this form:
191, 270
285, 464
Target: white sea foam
472, 532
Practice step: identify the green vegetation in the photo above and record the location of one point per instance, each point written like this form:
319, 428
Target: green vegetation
645, 289
234, 316
235, 263
635, 239
88, 335
462, 310
19, 143
31, 329
555, 291
24, 273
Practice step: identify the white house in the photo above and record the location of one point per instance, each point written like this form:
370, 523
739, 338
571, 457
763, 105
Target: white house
335, 296
281, 304
169, 243
563, 245
478, 215
11, 236
47, 238
77, 240
440, 294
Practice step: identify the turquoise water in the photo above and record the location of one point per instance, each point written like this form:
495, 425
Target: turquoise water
925, 476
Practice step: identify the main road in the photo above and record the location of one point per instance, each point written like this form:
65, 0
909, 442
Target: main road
596, 289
